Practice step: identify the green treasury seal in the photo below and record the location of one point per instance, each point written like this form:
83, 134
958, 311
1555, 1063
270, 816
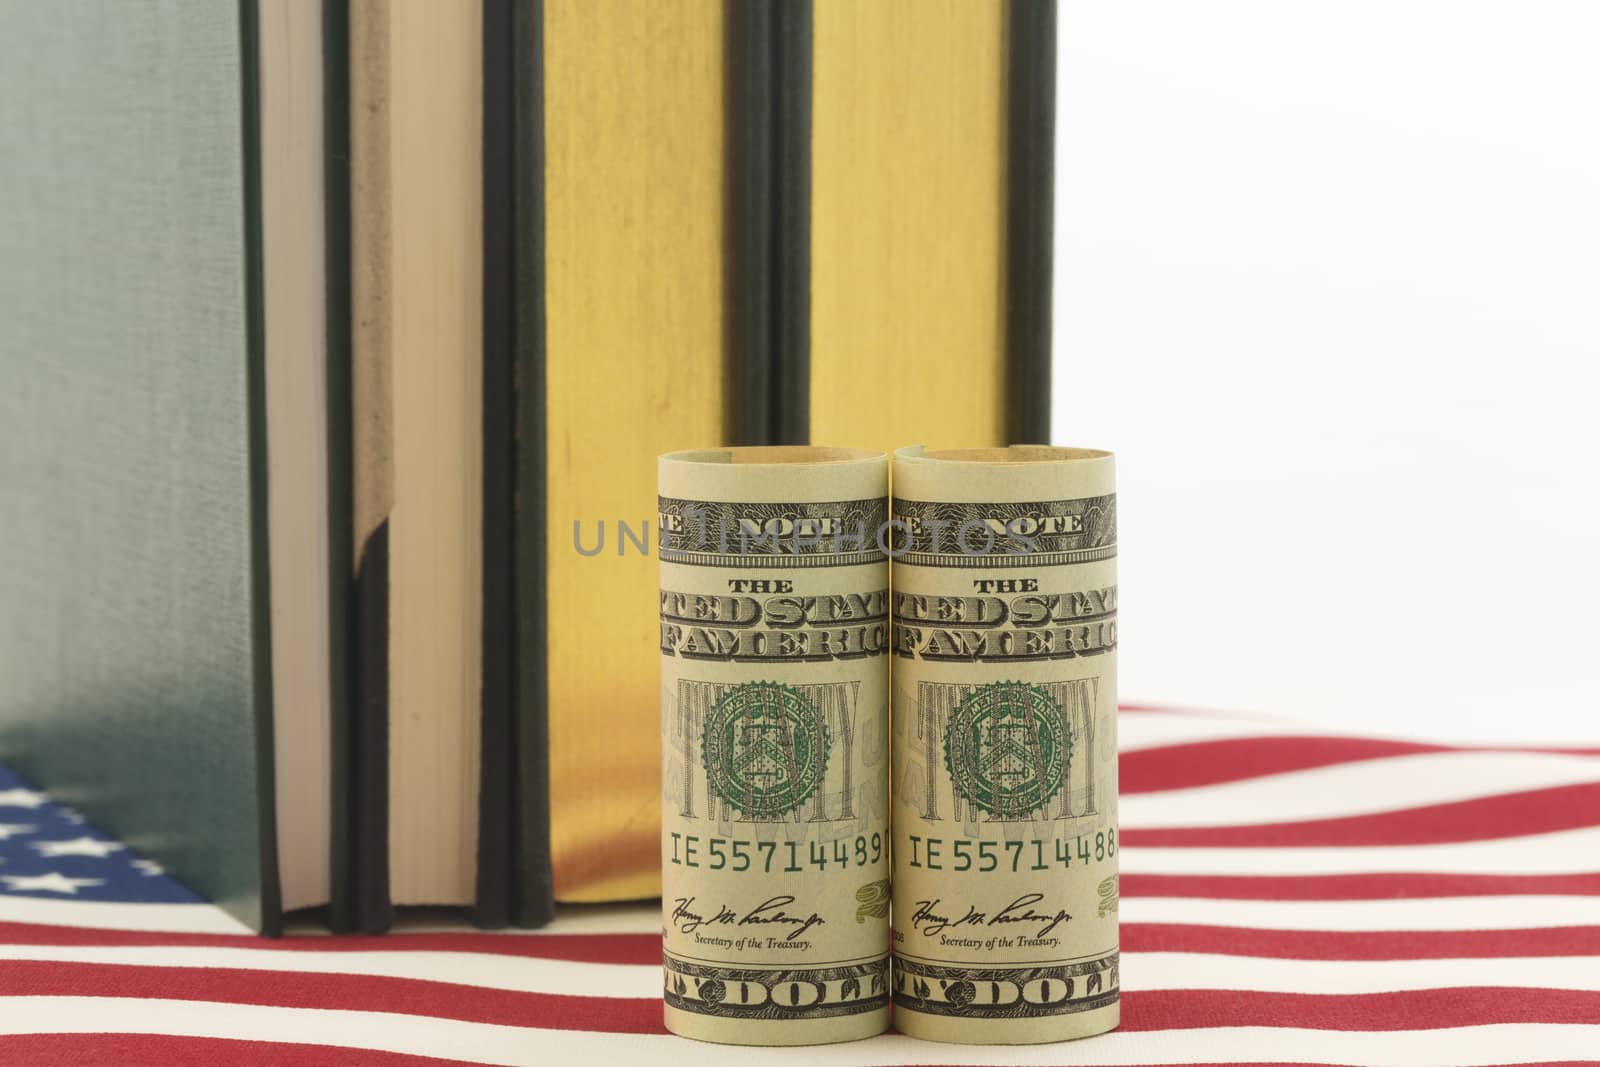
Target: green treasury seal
1007, 748
765, 749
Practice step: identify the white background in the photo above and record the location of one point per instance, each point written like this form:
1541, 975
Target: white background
1328, 280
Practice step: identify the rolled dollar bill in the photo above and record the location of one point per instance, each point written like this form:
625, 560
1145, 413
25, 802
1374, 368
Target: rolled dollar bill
1005, 749
774, 744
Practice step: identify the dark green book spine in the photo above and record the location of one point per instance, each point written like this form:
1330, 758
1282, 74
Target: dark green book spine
256, 374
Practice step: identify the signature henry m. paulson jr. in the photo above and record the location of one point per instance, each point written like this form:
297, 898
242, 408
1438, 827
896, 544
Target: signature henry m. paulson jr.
769, 912
929, 920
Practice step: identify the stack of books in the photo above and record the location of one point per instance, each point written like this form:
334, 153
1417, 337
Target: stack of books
327, 326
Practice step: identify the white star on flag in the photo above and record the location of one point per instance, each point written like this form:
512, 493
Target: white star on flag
12, 829
47, 883
149, 868
21, 798
80, 846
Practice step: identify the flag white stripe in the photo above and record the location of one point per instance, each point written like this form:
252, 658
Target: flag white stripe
1442, 913
1563, 852
1195, 970
1157, 729
1499, 912
103, 915
1559, 853
571, 919
1140, 971
1361, 788
634, 918
510, 1046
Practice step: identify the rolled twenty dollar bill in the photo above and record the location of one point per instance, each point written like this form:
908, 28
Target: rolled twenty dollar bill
775, 744
1005, 750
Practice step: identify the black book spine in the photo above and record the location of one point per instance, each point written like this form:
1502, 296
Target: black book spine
358, 584
532, 892
768, 138
367, 892
341, 543
495, 819
1030, 216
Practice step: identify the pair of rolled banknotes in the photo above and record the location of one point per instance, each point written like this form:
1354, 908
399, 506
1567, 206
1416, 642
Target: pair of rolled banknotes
790, 582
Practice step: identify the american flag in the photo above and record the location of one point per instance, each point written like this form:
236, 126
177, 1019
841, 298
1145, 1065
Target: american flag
1285, 897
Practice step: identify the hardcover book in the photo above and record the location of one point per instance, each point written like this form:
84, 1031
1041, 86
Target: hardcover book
332, 329
752, 223
432, 454
169, 435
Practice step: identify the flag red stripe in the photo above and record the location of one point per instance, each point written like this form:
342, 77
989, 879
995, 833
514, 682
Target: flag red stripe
337, 992
1361, 944
1410, 1009
1146, 1010
161, 1050
1197, 763
1537, 811
1356, 886
1185, 766
573, 948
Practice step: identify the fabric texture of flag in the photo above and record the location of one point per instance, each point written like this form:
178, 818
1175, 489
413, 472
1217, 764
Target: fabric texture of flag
1285, 898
